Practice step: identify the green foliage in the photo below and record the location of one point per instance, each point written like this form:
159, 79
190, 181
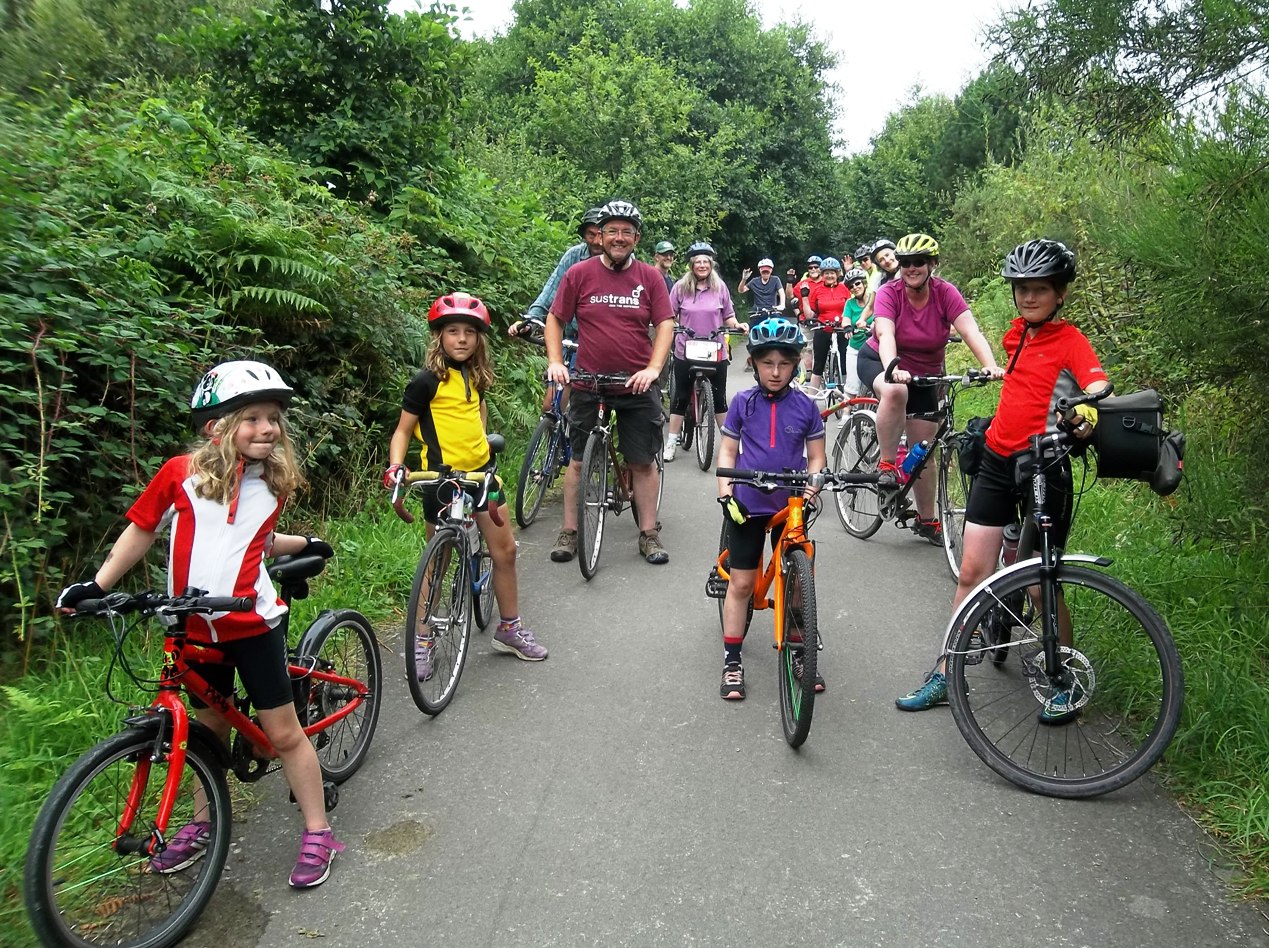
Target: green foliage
1130, 62
74, 47
362, 94
714, 126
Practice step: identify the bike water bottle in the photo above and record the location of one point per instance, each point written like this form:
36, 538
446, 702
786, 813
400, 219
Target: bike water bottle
914, 457
1009, 552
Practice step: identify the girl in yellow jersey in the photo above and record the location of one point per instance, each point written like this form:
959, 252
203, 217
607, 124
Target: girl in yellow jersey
444, 407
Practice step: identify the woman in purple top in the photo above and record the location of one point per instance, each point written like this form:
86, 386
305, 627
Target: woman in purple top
701, 303
913, 317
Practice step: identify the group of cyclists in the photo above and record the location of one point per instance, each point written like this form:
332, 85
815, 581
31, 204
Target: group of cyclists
221, 500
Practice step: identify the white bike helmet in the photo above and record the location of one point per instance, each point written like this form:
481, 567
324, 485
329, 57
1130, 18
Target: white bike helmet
231, 385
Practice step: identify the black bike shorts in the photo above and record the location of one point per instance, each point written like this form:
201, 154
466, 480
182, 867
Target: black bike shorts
744, 542
995, 496
639, 420
922, 399
261, 664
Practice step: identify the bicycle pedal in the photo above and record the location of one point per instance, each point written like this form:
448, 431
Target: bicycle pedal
716, 586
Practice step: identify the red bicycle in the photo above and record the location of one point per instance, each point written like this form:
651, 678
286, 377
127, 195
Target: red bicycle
88, 878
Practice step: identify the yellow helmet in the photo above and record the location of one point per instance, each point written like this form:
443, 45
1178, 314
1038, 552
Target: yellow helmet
917, 245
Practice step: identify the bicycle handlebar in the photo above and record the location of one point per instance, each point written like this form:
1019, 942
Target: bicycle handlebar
476, 480
1065, 404
599, 378
773, 480
969, 377
149, 602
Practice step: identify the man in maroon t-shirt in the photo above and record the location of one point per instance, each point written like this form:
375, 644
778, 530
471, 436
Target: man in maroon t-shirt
615, 298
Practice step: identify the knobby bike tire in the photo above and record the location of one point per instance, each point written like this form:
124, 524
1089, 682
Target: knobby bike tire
1125, 664
953, 496
439, 616
481, 576
538, 472
800, 647
857, 451
722, 545
341, 642
706, 424
592, 504
79, 890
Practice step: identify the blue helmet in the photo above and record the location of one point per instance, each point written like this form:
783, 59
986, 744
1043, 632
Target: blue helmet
831, 263
775, 332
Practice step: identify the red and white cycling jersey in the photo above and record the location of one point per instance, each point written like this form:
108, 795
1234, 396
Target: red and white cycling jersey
214, 546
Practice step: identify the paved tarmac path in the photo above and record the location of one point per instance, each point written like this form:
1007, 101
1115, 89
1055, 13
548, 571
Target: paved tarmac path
608, 796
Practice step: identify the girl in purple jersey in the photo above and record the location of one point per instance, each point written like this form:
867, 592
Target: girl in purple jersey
771, 427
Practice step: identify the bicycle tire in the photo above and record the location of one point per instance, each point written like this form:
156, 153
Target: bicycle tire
344, 643
689, 416
538, 471
835, 379
1131, 688
953, 497
797, 690
722, 545
482, 599
857, 451
79, 890
441, 614
592, 504
706, 424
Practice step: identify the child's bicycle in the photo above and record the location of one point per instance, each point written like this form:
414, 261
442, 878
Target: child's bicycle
863, 508
607, 481
88, 877
453, 583
790, 572
699, 424
1083, 690
548, 453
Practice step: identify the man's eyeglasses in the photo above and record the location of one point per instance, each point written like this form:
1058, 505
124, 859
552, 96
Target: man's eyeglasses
619, 232
913, 261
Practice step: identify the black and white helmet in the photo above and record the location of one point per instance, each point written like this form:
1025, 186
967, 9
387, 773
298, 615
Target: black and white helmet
853, 274
699, 248
621, 211
1040, 259
231, 385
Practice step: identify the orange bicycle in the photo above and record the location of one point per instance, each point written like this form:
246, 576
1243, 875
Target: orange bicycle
791, 574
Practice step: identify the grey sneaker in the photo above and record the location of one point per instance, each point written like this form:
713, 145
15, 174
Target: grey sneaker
565, 546
651, 549
423, 658
518, 641
933, 692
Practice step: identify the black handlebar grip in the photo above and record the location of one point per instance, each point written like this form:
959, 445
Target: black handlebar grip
228, 603
735, 473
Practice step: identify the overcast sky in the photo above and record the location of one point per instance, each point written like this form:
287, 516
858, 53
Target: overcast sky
934, 43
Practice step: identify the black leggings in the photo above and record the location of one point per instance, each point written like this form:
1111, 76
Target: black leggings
682, 384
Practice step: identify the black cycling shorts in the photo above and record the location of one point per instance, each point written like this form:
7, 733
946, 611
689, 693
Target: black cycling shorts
261, 664
922, 399
639, 420
436, 497
744, 542
995, 496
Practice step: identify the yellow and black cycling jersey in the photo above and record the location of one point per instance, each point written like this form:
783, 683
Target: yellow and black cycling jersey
449, 422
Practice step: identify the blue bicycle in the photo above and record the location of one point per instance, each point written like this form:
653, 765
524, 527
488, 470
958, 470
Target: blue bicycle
549, 452
453, 583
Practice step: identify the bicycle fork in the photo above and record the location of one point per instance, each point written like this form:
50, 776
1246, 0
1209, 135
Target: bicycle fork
170, 713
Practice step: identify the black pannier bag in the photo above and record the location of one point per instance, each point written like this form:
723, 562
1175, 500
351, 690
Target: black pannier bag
1132, 443
970, 445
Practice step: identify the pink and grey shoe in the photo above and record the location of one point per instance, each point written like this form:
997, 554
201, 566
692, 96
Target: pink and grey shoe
317, 852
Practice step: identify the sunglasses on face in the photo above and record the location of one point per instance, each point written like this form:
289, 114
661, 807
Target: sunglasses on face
855, 283
914, 261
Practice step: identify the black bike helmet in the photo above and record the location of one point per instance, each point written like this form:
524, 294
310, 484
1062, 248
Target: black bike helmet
1040, 259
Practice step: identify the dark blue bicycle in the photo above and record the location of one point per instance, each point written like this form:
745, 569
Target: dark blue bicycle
548, 453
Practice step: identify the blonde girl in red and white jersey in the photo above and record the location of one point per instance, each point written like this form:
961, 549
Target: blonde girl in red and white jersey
220, 503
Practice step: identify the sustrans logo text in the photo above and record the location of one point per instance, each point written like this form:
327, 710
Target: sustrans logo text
620, 302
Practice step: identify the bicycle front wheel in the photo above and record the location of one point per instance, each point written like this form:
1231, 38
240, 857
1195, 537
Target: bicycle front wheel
1092, 725
799, 651
834, 379
538, 471
592, 504
438, 622
706, 426
689, 417
84, 882
857, 451
953, 497
344, 644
